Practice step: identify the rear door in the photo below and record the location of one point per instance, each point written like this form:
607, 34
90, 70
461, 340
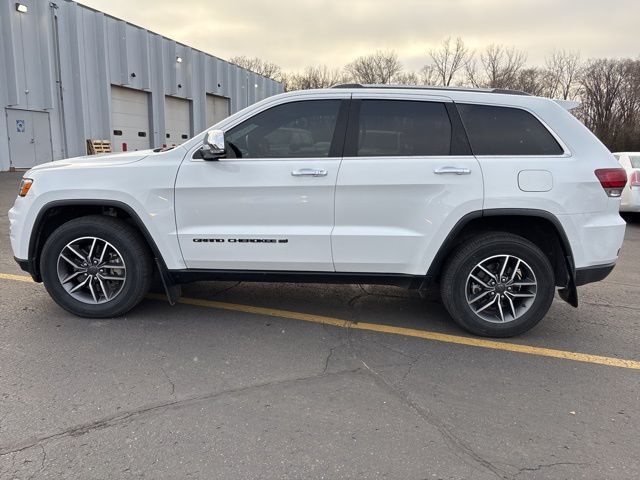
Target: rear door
407, 177
270, 204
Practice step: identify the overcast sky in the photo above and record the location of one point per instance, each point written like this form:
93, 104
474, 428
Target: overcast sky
297, 33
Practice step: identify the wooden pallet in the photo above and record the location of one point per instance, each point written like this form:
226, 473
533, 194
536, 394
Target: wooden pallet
98, 146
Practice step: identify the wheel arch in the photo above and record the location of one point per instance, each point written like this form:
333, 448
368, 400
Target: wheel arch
539, 226
57, 212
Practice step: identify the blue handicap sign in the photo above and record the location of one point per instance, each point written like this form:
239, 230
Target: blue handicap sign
20, 124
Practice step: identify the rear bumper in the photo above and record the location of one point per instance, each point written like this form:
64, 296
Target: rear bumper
593, 274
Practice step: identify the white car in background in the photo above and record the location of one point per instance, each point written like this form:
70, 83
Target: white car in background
630, 161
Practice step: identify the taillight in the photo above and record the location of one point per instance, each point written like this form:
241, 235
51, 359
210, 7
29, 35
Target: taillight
634, 180
612, 180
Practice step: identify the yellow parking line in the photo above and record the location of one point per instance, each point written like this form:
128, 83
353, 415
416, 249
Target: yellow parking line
409, 332
17, 278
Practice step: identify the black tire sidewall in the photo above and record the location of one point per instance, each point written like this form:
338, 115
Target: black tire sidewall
462, 312
135, 271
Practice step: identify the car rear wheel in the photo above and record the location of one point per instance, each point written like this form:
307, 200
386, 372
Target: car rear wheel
498, 285
96, 267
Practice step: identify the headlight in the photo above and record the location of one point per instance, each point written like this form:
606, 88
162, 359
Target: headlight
25, 185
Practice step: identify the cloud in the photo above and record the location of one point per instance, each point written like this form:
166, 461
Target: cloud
297, 33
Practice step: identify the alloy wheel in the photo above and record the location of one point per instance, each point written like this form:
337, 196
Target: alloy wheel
501, 288
91, 270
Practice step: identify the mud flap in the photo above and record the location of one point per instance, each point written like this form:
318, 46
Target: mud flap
172, 289
570, 293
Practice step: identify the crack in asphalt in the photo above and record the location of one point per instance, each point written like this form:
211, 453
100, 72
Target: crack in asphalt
411, 365
394, 350
326, 362
125, 417
220, 292
366, 293
173, 386
458, 447
448, 436
44, 458
547, 465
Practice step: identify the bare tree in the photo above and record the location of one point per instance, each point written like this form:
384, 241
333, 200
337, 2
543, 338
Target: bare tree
628, 133
531, 80
563, 70
601, 86
428, 75
406, 78
499, 67
319, 76
378, 68
449, 58
259, 66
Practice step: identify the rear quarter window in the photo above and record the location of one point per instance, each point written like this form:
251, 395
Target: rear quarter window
494, 130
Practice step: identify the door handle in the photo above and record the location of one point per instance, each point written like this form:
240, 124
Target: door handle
453, 170
309, 172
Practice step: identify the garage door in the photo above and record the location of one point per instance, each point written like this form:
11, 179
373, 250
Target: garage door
217, 109
129, 119
177, 120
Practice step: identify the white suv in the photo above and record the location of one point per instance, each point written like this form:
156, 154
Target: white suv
498, 197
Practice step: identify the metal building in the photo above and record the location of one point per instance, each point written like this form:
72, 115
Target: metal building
70, 73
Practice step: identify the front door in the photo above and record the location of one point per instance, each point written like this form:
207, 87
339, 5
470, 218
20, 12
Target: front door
29, 138
270, 204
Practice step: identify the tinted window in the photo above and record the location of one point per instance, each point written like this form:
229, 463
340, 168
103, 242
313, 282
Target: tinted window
293, 130
403, 128
506, 131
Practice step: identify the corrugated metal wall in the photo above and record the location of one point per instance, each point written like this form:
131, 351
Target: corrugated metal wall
83, 51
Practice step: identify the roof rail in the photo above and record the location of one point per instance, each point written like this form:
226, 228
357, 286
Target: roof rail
427, 87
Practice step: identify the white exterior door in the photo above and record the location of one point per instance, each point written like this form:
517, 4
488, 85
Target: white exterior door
217, 109
404, 183
269, 205
29, 138
129, 119
177, 120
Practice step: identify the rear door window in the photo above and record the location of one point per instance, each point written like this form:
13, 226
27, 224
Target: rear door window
506, 131
390, 128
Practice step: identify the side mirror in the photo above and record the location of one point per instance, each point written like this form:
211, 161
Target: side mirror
213, 145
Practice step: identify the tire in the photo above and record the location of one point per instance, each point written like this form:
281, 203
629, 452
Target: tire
112, 291
522, 305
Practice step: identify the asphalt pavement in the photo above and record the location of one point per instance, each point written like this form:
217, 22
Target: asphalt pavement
306, 381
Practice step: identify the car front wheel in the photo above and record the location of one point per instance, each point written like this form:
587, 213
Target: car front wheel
96, 266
